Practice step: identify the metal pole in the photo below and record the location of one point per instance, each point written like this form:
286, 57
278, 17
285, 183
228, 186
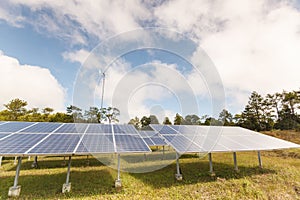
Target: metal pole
211, 170
69, 167
118, 167
18, 172
0, 161
177, 163
102, 90
259, 159
15, 161
163, 152
235, 162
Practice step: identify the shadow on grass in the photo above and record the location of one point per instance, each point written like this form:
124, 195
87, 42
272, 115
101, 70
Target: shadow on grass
84, 184
197, 172
58, 162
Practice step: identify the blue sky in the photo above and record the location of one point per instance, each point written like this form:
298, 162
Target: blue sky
250, 45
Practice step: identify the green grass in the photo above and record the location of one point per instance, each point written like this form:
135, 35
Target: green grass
279, 178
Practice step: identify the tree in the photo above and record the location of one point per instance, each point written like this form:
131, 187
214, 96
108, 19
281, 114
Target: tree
145, 121
153, 119
136, 122
76, 113
192, 120
16, 108
178, 120
109, 114
167, 121
93, 115
225, 117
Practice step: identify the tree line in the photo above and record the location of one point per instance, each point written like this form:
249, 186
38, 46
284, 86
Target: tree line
273, 111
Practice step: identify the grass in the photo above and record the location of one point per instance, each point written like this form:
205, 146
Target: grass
279, 178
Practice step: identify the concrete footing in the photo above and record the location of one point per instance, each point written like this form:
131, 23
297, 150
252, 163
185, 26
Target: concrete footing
118, 184
66, 187
178, 177
14, 191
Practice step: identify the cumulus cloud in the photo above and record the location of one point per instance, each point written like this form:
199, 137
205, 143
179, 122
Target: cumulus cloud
34, 84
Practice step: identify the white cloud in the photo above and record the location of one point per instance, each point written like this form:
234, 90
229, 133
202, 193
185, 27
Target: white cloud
79, 56
33, 84
254, 44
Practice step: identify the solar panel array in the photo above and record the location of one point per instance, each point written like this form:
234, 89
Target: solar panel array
152, 138
191, 139
44, 138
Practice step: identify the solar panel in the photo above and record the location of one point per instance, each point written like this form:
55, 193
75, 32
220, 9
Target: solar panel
149, 141
72, 128
57, 144
219, 139
14, 126
19, 143
2, 135
124, 129
130, 143
99, 128
41, 127
95, 143
152, 138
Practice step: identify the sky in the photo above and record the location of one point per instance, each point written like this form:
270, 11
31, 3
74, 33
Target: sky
159, 57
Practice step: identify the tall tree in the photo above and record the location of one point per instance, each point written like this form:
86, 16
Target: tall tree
225, 117
136, 122
76, 113
192, 120
167, 121
16, 108
109, 114
145, 121
153, 119
93, 115
178, 120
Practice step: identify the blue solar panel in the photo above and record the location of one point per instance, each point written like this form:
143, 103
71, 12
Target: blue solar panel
42, 127
19, 143
99, 128
127, 143
163, 129
72, 128
158, 141
149, 142
58, 144
95, 143
125, 129
2, 135
182, 144
14, 126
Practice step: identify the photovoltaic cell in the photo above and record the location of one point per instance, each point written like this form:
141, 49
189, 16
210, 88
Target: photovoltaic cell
99, 128
72, 128
163, 129
19, 143
125, 129
2, 135
42, 127
130, 143
95, 143
57, 144
14, 126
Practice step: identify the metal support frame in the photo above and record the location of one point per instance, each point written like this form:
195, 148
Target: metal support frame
35, 162
118, 183
235, 162
15, 190
259, 159
163, 152
211, 170
1, 160
178, 175
67, 186
15, 161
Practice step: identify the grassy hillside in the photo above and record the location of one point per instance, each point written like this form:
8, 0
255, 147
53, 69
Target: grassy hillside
279, 178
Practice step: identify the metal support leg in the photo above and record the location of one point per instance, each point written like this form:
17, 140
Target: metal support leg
1, 160
178, 175
15, 161
15, 190
67, 186
118, 183
163, 152
235, 162
211, 170
259, 159
35, 163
